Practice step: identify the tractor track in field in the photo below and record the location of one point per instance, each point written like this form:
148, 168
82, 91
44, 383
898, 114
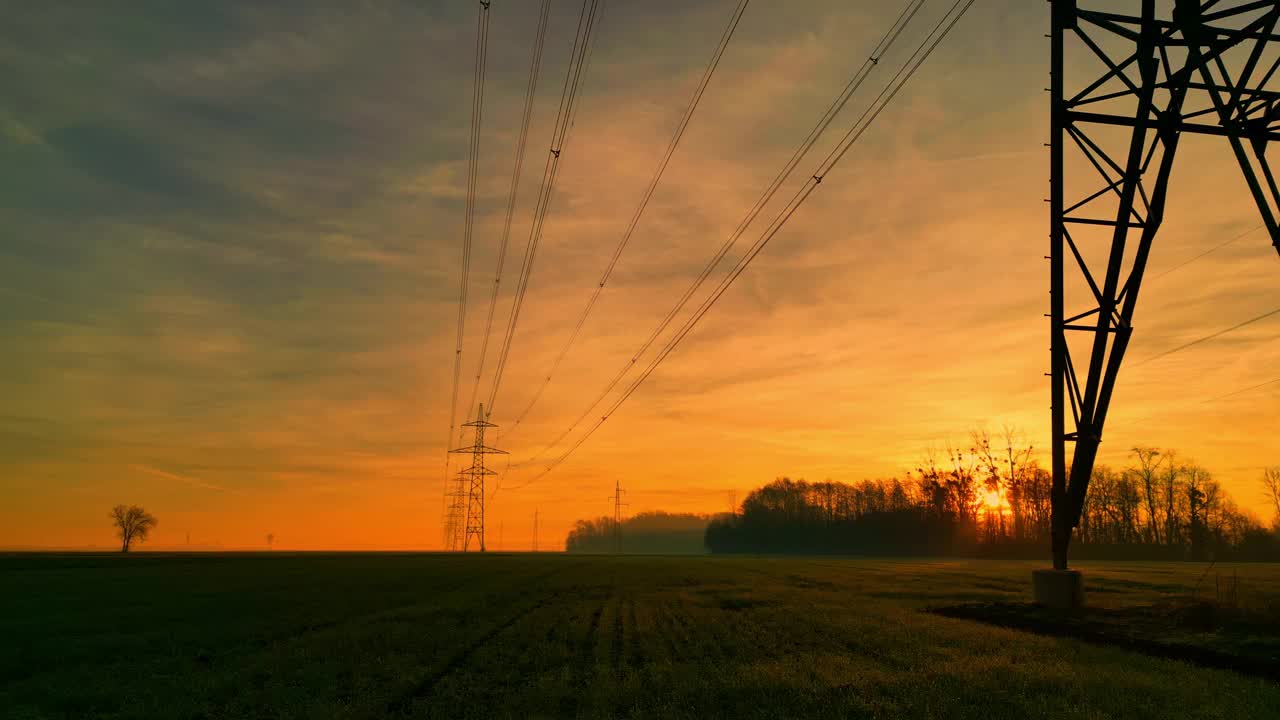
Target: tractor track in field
425, 687
588, 654
248, 645
666, 625
584, 663
251, 645
636, 656
618, 631
708, 636
297, 632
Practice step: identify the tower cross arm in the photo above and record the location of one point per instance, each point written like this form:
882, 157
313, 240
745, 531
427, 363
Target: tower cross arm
1180, 126
472, 449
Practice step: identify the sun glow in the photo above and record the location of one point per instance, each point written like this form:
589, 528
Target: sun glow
993, 501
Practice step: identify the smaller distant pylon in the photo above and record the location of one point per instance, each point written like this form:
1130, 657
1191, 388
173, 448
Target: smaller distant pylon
617, 516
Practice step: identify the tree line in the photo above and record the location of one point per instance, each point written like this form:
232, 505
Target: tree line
993, 498
645, 533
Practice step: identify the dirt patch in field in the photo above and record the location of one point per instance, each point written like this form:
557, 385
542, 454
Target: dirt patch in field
1197, 633
1121, 584
1000, 586
806, 583
732, 599
738, 602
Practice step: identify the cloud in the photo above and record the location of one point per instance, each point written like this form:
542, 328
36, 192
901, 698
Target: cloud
180, 478
236, 237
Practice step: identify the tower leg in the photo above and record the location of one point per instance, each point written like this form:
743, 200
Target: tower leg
1135, 108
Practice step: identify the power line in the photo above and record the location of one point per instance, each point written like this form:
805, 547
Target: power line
1179, 266
502, 475
1206, 401
855, 132
1213, 249
699, 90
535, 65
1243, 391
851, 87
1209, 337
473, 153
573, 79
586, 69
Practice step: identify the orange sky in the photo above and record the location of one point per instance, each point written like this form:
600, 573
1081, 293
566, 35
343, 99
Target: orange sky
232, 293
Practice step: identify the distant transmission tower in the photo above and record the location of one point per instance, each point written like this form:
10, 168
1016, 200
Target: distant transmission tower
535, 531
1139, 83
454, 516
472, 478
617, 515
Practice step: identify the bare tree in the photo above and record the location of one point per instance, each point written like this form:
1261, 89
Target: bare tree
1169, 484
132, 524
271, 538
1020, 460
1128, 500
990, 476
1201, 494
1148, 463
963, 482
1271, 484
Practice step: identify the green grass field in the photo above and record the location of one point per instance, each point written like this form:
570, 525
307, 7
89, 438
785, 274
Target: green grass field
371, 636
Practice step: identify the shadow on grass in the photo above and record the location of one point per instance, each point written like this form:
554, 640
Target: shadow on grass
1199, 633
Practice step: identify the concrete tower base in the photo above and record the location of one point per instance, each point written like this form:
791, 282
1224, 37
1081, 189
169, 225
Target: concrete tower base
1058, 589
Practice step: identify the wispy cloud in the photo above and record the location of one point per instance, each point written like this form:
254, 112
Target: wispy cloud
233, 252
194, 482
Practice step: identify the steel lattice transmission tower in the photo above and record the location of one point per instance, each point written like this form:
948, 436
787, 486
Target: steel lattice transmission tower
617, 515
457, 499
472, 478
1209, 69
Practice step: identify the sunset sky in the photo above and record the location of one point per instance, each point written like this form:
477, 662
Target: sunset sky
232, 242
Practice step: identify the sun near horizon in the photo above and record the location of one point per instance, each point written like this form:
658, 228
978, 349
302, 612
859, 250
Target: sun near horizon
231, 271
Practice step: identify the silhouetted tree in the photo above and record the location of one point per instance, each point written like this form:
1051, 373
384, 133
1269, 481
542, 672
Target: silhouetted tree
1111, 508
963, 481
1159, 508
1170, 481
993, 483
872, 516
1201, 495
1271, 484
1148, 484
132, 523
1037, 496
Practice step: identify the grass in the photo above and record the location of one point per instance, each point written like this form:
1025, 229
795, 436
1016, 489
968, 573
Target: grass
383, 635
